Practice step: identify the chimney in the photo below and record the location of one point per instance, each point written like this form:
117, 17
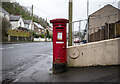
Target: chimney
17, 14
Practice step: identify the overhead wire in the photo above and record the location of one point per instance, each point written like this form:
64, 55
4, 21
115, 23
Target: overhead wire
113, 2
42, 11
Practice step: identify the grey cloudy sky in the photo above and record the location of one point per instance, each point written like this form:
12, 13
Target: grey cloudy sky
51, 9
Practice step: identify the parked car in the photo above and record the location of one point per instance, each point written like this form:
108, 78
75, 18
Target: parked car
76, 40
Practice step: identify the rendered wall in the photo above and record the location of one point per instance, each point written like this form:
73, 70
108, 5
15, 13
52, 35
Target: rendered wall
105, 52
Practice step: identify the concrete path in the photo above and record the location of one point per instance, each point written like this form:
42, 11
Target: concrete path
41, 72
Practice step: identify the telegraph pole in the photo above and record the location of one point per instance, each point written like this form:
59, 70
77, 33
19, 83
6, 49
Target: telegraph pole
87, 21
79, 32
46, 31
32, 23
32, 14
70, 23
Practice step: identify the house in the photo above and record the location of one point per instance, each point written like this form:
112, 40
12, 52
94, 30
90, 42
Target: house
97, 20
38, 28
23, 29
4, 14
50, 30
28, 24
16, 21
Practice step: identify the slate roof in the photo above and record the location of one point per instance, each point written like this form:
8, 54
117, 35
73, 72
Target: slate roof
108, 5
50, 29
22, 28
27, 21
38, 25
14, 17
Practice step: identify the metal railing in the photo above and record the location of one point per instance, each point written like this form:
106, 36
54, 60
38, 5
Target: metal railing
99, 28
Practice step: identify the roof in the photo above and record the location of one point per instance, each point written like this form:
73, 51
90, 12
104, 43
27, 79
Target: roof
22, 28
38, 25
27, 21
50, 29
108, 5
15, 17
3, 10
59, 20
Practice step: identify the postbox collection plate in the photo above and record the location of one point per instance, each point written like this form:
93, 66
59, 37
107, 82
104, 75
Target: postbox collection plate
59, 36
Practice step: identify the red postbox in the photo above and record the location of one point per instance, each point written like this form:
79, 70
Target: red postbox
59, 45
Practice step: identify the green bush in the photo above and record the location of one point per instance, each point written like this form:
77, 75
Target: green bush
36, 36
42, 35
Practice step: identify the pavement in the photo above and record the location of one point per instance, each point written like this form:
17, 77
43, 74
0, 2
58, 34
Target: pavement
42, 72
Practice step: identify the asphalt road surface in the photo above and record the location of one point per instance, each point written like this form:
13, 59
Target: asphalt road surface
32, 62
16, 58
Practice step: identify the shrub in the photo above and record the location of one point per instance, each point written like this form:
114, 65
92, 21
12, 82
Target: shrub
42, 35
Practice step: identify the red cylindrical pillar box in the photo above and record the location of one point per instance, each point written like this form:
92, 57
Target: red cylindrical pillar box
59, 45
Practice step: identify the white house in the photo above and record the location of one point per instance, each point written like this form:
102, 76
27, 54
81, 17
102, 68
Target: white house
16, 21
4, 14
28, 24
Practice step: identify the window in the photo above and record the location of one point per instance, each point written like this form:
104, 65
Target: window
20, 24
4, 15
28, 26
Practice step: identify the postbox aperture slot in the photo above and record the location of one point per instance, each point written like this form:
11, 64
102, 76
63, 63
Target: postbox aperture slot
59, 28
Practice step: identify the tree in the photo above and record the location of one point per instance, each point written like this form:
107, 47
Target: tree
16, 8
47, 33
42, 35
5, 26
80, 34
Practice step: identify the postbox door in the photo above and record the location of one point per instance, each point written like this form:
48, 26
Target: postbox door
60, 46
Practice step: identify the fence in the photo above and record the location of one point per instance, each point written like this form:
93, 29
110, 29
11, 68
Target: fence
96, 28
109, 31
17, 39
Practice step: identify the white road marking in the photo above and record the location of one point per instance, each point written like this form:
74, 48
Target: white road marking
24, 45
17, 44
9, 47
39, 54
6, 48
2, 48
15, 80
21, 67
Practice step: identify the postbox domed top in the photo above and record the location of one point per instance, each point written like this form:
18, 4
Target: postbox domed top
59, 20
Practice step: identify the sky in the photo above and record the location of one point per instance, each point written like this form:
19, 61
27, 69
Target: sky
52, 9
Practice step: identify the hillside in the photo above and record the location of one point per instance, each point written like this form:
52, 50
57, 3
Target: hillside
16, 8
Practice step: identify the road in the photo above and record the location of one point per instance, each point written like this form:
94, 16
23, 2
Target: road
32, 62
16, 58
